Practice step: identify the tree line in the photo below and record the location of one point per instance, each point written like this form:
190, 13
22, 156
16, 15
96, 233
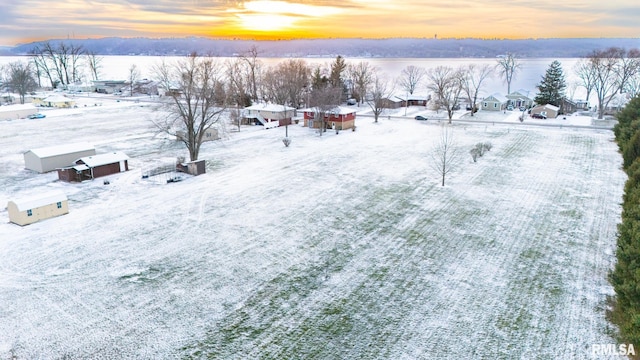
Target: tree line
625, 277
201, 85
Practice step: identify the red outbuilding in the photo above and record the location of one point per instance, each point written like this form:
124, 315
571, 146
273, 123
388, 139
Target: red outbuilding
91, 167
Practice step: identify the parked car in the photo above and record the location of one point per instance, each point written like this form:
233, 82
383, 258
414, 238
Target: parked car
522, 108
351, 101
456, 107
510, 107
538, 116
37, 116
420, 117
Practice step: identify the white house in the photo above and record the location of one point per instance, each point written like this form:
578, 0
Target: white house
269, 115
520, 98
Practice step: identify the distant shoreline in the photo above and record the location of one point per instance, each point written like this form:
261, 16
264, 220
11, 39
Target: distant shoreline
329, 48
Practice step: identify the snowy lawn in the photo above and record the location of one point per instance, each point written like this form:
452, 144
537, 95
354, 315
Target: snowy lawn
340, 246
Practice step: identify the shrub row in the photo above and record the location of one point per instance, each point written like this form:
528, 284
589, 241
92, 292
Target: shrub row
625, 277
479, 150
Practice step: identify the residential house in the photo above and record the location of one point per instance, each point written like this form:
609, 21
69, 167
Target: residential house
339, 118
520, 98
54, 100
495, 102
268, 115
392, 102
210, 134
414, 100
570, 106
109, 86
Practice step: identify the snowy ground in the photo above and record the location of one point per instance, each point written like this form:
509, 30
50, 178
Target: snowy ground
340, 246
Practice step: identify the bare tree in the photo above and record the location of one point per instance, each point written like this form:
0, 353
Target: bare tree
444, 154
410, 78
633, 86
250, 58
20, 78
473, 76
134, 76
298, 75
286, 82
274, 86
76, 52
586, 74
196, 104
446, 84
95, 64
361, 76
323, 101
44, 59
612, 69
61, 62
379, 92
571, 90
507, 67
237, 88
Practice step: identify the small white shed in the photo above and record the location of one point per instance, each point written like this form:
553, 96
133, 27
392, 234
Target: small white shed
37, 207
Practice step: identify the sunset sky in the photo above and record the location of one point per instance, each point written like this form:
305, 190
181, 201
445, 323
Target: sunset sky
29, 20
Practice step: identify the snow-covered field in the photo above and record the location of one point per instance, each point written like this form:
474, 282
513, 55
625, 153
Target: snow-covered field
338, 247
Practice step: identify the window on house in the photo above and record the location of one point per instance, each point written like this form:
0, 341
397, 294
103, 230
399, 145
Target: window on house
495, 105
486, 104
29, 213
59, 204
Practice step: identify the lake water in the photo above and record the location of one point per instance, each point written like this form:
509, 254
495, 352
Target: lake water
530, 74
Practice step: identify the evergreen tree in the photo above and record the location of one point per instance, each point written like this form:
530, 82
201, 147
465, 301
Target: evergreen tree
551, 88
337, 69
336, 80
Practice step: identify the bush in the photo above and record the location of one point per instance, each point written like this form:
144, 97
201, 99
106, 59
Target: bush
631, 150
474, 154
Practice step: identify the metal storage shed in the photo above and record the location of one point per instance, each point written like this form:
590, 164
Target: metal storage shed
50, 158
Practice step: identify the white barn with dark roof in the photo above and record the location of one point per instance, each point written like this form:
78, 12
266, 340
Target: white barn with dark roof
50, 158
37, 207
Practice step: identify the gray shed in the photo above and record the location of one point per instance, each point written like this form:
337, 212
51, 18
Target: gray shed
50, 158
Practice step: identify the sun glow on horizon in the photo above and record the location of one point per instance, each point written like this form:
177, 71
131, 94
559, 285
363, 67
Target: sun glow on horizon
314, 19
280, 17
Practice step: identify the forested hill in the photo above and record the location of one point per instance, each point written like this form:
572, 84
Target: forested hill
393, 48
